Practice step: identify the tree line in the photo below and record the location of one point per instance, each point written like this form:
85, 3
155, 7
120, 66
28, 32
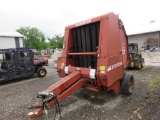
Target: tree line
35, 39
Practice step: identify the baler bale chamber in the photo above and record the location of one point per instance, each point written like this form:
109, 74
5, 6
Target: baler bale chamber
85, 39
98, 48
94, 56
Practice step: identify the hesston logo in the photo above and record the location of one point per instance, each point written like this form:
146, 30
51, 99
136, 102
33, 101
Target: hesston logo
83, 22
114, 66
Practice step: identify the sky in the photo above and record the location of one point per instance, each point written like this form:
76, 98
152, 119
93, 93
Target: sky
51, 16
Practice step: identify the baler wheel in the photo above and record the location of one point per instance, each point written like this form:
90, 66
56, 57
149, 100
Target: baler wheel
127, 84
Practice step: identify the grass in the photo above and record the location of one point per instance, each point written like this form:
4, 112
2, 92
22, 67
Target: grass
155, 82
153, 78
144, 68
8, 100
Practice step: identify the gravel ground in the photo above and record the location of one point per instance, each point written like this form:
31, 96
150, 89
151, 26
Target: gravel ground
144, 103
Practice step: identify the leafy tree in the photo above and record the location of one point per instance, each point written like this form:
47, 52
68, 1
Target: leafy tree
33, 37
56, 41
45, 45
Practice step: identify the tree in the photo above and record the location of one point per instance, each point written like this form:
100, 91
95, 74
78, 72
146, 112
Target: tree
33, 37
45, 45
56, 41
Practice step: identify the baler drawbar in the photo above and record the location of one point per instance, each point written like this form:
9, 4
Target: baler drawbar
95, 56
57, 92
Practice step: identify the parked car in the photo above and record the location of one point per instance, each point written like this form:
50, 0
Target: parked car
154, 49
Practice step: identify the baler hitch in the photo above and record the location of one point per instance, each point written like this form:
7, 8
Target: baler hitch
47, 98
56, 93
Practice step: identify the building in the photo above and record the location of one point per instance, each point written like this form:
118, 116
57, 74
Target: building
147, 36
11, 40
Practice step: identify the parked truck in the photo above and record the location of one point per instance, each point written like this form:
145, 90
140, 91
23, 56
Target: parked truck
136, 60
95, 56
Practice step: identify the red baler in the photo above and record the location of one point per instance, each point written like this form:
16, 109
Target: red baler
95, 56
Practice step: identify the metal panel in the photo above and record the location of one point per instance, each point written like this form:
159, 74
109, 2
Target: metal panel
97, 33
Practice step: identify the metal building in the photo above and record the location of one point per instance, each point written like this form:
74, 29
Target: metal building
147, 36
11, 40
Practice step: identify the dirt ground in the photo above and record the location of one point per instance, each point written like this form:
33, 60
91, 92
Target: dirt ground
144, 103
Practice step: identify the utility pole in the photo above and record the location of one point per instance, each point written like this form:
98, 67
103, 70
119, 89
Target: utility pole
158, 40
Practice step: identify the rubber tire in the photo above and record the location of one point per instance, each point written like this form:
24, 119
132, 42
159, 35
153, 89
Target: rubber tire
142, 61
137, 65
125, 84
38, 72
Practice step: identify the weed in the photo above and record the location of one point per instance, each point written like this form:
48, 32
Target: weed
8, 100
155, 83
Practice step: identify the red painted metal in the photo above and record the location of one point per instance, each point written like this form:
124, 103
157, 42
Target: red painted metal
84, 71
77, 85
91, 88
88, 21
112, 51
63, 84
115, 87
111, 56
37, 113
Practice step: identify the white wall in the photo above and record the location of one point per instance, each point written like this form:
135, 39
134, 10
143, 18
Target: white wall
141, 38
9, 42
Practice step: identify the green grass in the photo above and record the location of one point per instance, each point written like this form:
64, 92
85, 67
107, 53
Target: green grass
8, 100
155, 82
144, 68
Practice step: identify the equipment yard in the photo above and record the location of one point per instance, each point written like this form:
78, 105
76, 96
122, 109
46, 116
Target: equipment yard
144, 103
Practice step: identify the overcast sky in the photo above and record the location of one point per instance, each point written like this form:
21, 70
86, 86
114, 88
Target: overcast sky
51, 16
